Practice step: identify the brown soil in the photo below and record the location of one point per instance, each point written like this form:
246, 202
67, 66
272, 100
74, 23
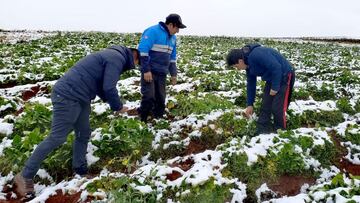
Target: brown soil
28, 94
173, 176
8, 84
58, 198
290, 185
133, 112
184, 165
342, 163
195, 147
66, 198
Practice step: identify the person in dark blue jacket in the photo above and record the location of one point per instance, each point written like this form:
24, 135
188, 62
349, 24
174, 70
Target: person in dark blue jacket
95, 75
158, 57
279, 75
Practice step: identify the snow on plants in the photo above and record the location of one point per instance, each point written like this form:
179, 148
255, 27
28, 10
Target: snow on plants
204, 149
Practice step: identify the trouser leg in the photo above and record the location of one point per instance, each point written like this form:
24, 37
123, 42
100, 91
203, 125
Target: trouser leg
82, 136
264, 120
147, 99
65, 113
160, 95
281, 102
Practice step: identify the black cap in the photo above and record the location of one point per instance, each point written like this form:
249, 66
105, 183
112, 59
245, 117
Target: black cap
233, 57
175, 19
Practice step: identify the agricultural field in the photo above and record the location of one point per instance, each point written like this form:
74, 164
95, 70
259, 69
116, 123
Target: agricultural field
204, 150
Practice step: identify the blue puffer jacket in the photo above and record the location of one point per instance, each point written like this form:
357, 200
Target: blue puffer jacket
267, 63
158, 50
96, 74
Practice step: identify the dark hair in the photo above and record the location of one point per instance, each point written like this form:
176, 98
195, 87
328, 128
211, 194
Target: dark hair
233, 56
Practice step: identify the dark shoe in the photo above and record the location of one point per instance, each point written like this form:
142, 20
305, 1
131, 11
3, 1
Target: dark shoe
24, 186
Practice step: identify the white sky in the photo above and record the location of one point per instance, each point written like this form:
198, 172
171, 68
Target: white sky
250, 18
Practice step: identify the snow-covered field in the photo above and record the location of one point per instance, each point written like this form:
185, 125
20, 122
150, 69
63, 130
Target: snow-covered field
204, 150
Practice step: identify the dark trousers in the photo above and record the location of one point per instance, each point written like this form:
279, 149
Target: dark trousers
68, 115
153, 96
275, 105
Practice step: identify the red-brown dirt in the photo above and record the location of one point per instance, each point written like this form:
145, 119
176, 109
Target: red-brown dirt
290, 185
342, 163
28, 94
184, 165
58, 198
195, 147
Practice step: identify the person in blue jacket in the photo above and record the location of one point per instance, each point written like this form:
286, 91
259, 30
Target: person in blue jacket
158, 57
279, 75
95, 75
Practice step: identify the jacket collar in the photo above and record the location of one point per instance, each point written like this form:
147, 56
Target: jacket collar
163, 26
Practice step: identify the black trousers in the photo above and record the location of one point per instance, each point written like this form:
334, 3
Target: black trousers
275, 106
153, 96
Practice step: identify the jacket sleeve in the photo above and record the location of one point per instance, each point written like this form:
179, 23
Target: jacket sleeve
172, 66
250, 89
146, 43
111, 77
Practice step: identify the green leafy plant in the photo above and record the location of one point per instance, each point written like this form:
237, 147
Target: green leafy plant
124, 142
35, 116
343, 105
121, 190
197, 105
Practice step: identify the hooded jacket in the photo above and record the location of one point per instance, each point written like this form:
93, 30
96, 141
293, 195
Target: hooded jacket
158, 50
267, 63
96, 74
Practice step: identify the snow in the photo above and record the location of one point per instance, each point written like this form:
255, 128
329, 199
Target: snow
41, 100
258, 146
263, 188
90, 157
144, 189
100, 108
6, 128
300, 106
300, 198
188, 87
4, 107
44, 175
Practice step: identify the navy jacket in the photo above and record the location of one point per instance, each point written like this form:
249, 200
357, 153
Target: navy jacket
96, 74
267, 63
158, 50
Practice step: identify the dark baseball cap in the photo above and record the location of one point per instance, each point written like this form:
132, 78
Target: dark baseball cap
175, 19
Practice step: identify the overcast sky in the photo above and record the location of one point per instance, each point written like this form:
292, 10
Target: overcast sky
243, 18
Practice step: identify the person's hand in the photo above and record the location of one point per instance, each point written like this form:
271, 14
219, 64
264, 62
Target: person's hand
148, 76
173, 80
121, 111
273, 92
248, 111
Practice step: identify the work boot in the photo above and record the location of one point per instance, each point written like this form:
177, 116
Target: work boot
24, 186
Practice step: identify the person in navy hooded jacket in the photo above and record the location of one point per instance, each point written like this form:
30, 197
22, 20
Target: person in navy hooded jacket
279, 75
95, 75
158, 57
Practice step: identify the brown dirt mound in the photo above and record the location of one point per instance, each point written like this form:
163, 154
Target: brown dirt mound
290, 185
342, 163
